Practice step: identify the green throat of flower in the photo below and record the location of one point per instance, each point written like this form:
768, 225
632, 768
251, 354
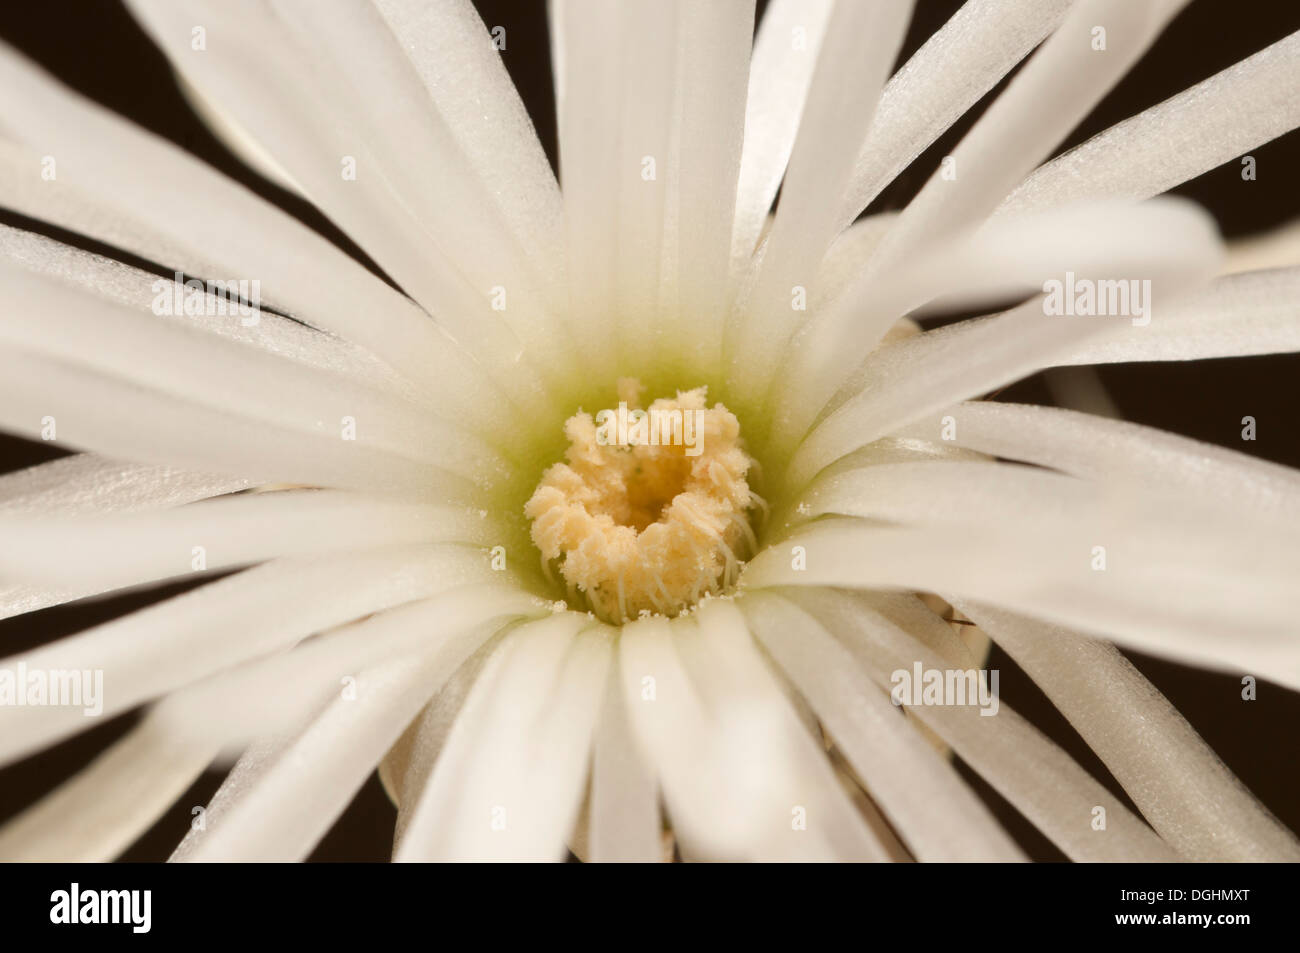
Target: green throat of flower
649, 510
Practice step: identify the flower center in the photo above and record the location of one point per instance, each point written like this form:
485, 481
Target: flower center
647, 513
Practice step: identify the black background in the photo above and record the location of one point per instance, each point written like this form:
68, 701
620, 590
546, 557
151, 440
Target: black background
96, 48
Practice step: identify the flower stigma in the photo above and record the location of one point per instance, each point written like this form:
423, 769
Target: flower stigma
648, 511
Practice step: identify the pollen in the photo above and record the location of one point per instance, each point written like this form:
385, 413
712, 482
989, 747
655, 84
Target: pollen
648, 511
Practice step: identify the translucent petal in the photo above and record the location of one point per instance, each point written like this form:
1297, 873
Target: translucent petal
1178, 783
100, 811
167, 645
861, 44
1036, 776
781, 71
936, 814
951, 71
508, 784
1235, 316
1218, 119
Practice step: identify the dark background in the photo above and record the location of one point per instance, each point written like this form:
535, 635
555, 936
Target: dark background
96, 48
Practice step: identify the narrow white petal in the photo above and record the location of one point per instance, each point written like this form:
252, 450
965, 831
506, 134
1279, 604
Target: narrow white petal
1164, 590
122, 284
775, 795
862, 41
98, 812
1001, 260
409, 764
1056, 88
263, 695
107, 415
1172, 549
1214, 121
624, 822
463, 73
901, 382
849, 254
131, 188
586, 46
278, 803
781, 71
509, 782
110, 551
235, 137
1179, 784
1036, 776
935, 813
70, 325
714, 38
293, 97
617, 76
185, 638
1235, 316
465, 219
1119, 452
951, 71
1276, 248
87, 484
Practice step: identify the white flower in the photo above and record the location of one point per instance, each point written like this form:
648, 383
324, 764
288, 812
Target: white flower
370, 452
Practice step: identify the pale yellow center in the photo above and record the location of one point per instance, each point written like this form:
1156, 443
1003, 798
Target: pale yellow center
646, 526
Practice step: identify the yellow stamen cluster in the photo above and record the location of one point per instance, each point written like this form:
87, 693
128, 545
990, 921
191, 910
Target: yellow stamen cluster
646, 527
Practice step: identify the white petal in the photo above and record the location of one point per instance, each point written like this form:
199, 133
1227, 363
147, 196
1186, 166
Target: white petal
1276, 248
235, 137
1177, 782
1218, 119
1024, 766
462, 218
88, 484
586, 45
898, 383
861, 44
113, 281
291, 96
935, 813
101, 810
409, 764
616, 68
1056, 88
280, 800
131, 188
951, 71
85, 484
771, 792
714, 38
71, 326
263, 696
464, 75
1164, 590
185, 638
1004, 259
1118, 452
110, 551
107, 416
781, 71
509, 781
1235, 316
624, 823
